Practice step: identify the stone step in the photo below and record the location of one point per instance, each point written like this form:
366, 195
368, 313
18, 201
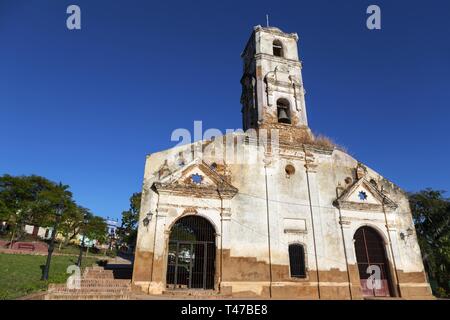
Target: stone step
120, 286
102, 280
102, 290
93, 283
98, 276
383, 298
192, 293
96, 270
87, 296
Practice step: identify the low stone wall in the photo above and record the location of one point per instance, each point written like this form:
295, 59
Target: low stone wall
38, 245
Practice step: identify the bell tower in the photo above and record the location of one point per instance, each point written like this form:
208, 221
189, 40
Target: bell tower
272, 86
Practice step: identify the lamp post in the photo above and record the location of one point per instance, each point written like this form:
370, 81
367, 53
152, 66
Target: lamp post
85, 221
51, 247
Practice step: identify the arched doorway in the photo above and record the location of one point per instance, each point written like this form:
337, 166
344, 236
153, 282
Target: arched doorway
192, 252
371, 259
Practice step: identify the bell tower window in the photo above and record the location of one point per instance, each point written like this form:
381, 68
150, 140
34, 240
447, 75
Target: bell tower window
283, 111
277, 48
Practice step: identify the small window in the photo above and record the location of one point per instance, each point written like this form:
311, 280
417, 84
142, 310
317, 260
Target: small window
297, 261
277, 48
290, 170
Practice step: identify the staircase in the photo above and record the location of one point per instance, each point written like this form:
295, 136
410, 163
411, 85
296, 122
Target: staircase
193, 294
96, 284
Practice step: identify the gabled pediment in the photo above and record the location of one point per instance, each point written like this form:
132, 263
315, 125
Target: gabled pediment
196, 180
364, 196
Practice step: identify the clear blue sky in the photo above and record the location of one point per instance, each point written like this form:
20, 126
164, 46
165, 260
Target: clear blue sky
85, 107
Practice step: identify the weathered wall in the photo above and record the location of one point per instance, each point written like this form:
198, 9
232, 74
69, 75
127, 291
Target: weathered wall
300, 209
258, 210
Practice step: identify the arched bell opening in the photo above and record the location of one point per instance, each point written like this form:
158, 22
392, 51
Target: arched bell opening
283, 111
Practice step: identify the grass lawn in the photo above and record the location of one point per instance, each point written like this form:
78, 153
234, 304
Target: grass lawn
20, 274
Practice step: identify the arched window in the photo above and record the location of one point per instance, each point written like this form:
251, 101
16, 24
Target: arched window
277, 48
297, 260
283, 111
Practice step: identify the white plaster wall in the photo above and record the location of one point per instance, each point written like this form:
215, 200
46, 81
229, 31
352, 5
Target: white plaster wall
288, 198
266, 63
303, 200
264, 40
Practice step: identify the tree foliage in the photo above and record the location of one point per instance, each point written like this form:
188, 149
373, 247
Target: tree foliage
35, 200
71, 222
127, 232
31, 200
96, 228
431, 213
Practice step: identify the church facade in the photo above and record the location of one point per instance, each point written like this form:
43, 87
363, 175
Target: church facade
272, 211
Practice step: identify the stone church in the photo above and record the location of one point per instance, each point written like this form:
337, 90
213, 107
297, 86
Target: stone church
273, 211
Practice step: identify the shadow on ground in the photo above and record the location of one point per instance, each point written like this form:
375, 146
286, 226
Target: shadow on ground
121, 266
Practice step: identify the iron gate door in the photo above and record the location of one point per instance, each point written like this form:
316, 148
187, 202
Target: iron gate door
191, 265
370, 251
191, 254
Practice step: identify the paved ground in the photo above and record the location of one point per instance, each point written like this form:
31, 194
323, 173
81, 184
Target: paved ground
119, 261
187, 297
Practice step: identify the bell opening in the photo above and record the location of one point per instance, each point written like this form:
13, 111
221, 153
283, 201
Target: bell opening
283, 116
283, 111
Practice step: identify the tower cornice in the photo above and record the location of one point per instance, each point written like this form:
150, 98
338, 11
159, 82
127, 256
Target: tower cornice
276, 31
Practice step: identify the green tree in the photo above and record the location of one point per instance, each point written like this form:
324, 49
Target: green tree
431, 213
71, 223
96, 229
47, 202
79, 221
30, 199
127, 232
35, 200
4, 214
